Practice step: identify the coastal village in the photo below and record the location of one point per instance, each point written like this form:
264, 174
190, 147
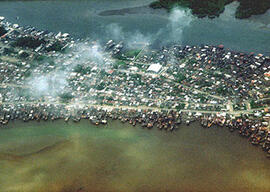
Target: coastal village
48, 76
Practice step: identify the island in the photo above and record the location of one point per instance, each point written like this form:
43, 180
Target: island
213, 8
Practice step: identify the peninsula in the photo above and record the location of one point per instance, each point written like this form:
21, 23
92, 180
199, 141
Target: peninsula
48, 76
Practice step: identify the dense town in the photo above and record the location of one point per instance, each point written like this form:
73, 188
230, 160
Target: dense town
48, 76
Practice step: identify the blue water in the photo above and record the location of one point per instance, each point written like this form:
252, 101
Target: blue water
81, 19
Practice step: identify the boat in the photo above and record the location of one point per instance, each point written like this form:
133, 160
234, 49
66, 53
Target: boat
104, 121
172, 128
66, 119
149, 125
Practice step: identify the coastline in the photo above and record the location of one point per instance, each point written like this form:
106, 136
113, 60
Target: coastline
250, 119
168, 120
127, 129
151, 9
213, 9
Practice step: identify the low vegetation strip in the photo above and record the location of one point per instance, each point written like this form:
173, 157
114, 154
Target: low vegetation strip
213, 8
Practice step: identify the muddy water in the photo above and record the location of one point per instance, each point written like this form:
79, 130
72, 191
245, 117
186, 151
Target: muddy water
61, 157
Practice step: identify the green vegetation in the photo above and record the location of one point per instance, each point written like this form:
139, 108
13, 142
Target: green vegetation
180, 106
27, 74
29, 42
132, 53
23, 55
217, 74
40, 57
180, 77
78, 69
204, 83
210, 8
100, 86
66, 97
202, 98
120, 57
120, 64
252, 7
82, 69
136, 76
169, 4
199, 8
2, 31
192, 61
56, 46
8, 50
222, 90
213, 8
254, 104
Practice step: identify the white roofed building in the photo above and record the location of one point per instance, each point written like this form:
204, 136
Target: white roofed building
154, 68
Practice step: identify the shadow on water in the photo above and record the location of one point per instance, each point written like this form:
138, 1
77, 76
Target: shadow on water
63, 157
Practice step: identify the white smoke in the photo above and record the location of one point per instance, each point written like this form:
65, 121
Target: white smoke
138, 40
47, 84
132, 40
179, 20
87, 54
229, 12
91, 54
115, 32
97, 55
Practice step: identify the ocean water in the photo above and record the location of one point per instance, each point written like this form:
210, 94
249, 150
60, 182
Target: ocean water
81, 19
58, 156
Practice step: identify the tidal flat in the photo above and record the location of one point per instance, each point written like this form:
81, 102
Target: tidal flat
58, 156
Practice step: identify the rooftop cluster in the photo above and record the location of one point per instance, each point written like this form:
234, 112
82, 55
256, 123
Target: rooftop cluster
50, 76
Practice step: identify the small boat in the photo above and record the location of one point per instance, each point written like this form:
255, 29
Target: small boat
178, 122
149, 125
76, 120
104, 121
255, 142
172, 128
66, 119
165, 127
5, 122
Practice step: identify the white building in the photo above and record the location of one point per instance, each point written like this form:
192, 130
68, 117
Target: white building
154, 68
